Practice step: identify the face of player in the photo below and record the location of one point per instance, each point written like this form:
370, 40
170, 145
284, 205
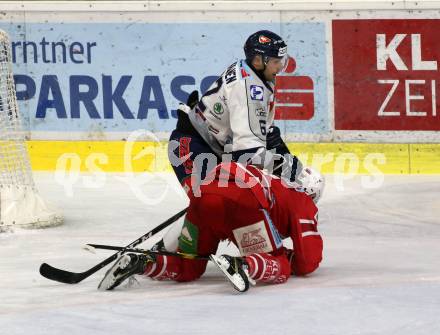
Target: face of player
273, 67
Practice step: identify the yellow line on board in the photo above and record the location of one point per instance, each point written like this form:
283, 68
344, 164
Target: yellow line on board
348, 158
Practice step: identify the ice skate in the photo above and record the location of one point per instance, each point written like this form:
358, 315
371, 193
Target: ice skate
126, 266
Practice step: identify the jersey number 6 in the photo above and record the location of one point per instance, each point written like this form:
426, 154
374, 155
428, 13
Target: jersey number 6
263, 127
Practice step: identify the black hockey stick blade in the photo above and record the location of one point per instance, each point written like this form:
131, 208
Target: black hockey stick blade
68, 277
63, 276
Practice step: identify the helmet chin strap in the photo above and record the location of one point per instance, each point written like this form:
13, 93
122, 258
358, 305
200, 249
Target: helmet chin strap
262, 74
265, 60
259, 72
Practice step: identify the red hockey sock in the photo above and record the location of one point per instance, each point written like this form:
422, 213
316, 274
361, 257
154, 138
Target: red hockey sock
175, 268
163, 269
267, 268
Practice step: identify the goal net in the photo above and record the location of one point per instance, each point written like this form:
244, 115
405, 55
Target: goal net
20, 203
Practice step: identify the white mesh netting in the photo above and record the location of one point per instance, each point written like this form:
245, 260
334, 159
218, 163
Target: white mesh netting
20, 203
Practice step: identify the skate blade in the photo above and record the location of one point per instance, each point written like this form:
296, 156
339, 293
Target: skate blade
236, 280
109, 280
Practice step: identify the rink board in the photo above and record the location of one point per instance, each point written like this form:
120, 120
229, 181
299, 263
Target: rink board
362, 97
122, 156
364, 71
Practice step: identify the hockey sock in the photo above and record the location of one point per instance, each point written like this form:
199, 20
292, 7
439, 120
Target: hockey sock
268, 269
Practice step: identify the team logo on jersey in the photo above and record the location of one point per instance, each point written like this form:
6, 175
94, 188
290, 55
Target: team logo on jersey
188, 239
253, 239
257, 92
263, 39
260, 112
218, 108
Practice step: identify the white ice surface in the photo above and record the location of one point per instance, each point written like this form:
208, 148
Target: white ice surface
380, 274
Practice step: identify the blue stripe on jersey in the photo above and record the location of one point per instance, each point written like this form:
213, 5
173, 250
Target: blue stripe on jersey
276, 236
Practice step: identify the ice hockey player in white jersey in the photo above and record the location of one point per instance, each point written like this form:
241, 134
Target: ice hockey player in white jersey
235, 115
236, 109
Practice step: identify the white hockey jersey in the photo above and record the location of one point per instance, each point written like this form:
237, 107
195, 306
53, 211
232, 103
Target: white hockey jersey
235, 110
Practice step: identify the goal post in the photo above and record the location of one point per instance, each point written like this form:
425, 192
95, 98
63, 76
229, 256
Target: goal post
20, 203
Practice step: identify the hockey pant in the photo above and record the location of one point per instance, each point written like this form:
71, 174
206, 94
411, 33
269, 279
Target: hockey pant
212, 218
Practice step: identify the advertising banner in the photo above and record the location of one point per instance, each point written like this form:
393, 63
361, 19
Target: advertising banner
386, 74
95, 79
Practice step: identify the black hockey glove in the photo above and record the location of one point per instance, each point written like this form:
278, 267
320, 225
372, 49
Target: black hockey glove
193, 99
274, 141
284, 164
183, 123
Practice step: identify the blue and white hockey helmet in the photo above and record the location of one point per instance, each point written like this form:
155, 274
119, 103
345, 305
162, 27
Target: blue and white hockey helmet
266, 44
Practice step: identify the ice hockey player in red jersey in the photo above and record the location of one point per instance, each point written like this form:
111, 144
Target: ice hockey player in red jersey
254, 210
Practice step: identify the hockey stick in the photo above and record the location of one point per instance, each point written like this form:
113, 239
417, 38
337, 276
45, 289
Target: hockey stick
68, 277
241, 283
145, 251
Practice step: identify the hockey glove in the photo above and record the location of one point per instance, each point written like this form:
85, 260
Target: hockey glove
193, 99
274, 141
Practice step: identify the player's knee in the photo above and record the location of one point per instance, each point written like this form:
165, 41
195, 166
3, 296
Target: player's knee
312, 247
